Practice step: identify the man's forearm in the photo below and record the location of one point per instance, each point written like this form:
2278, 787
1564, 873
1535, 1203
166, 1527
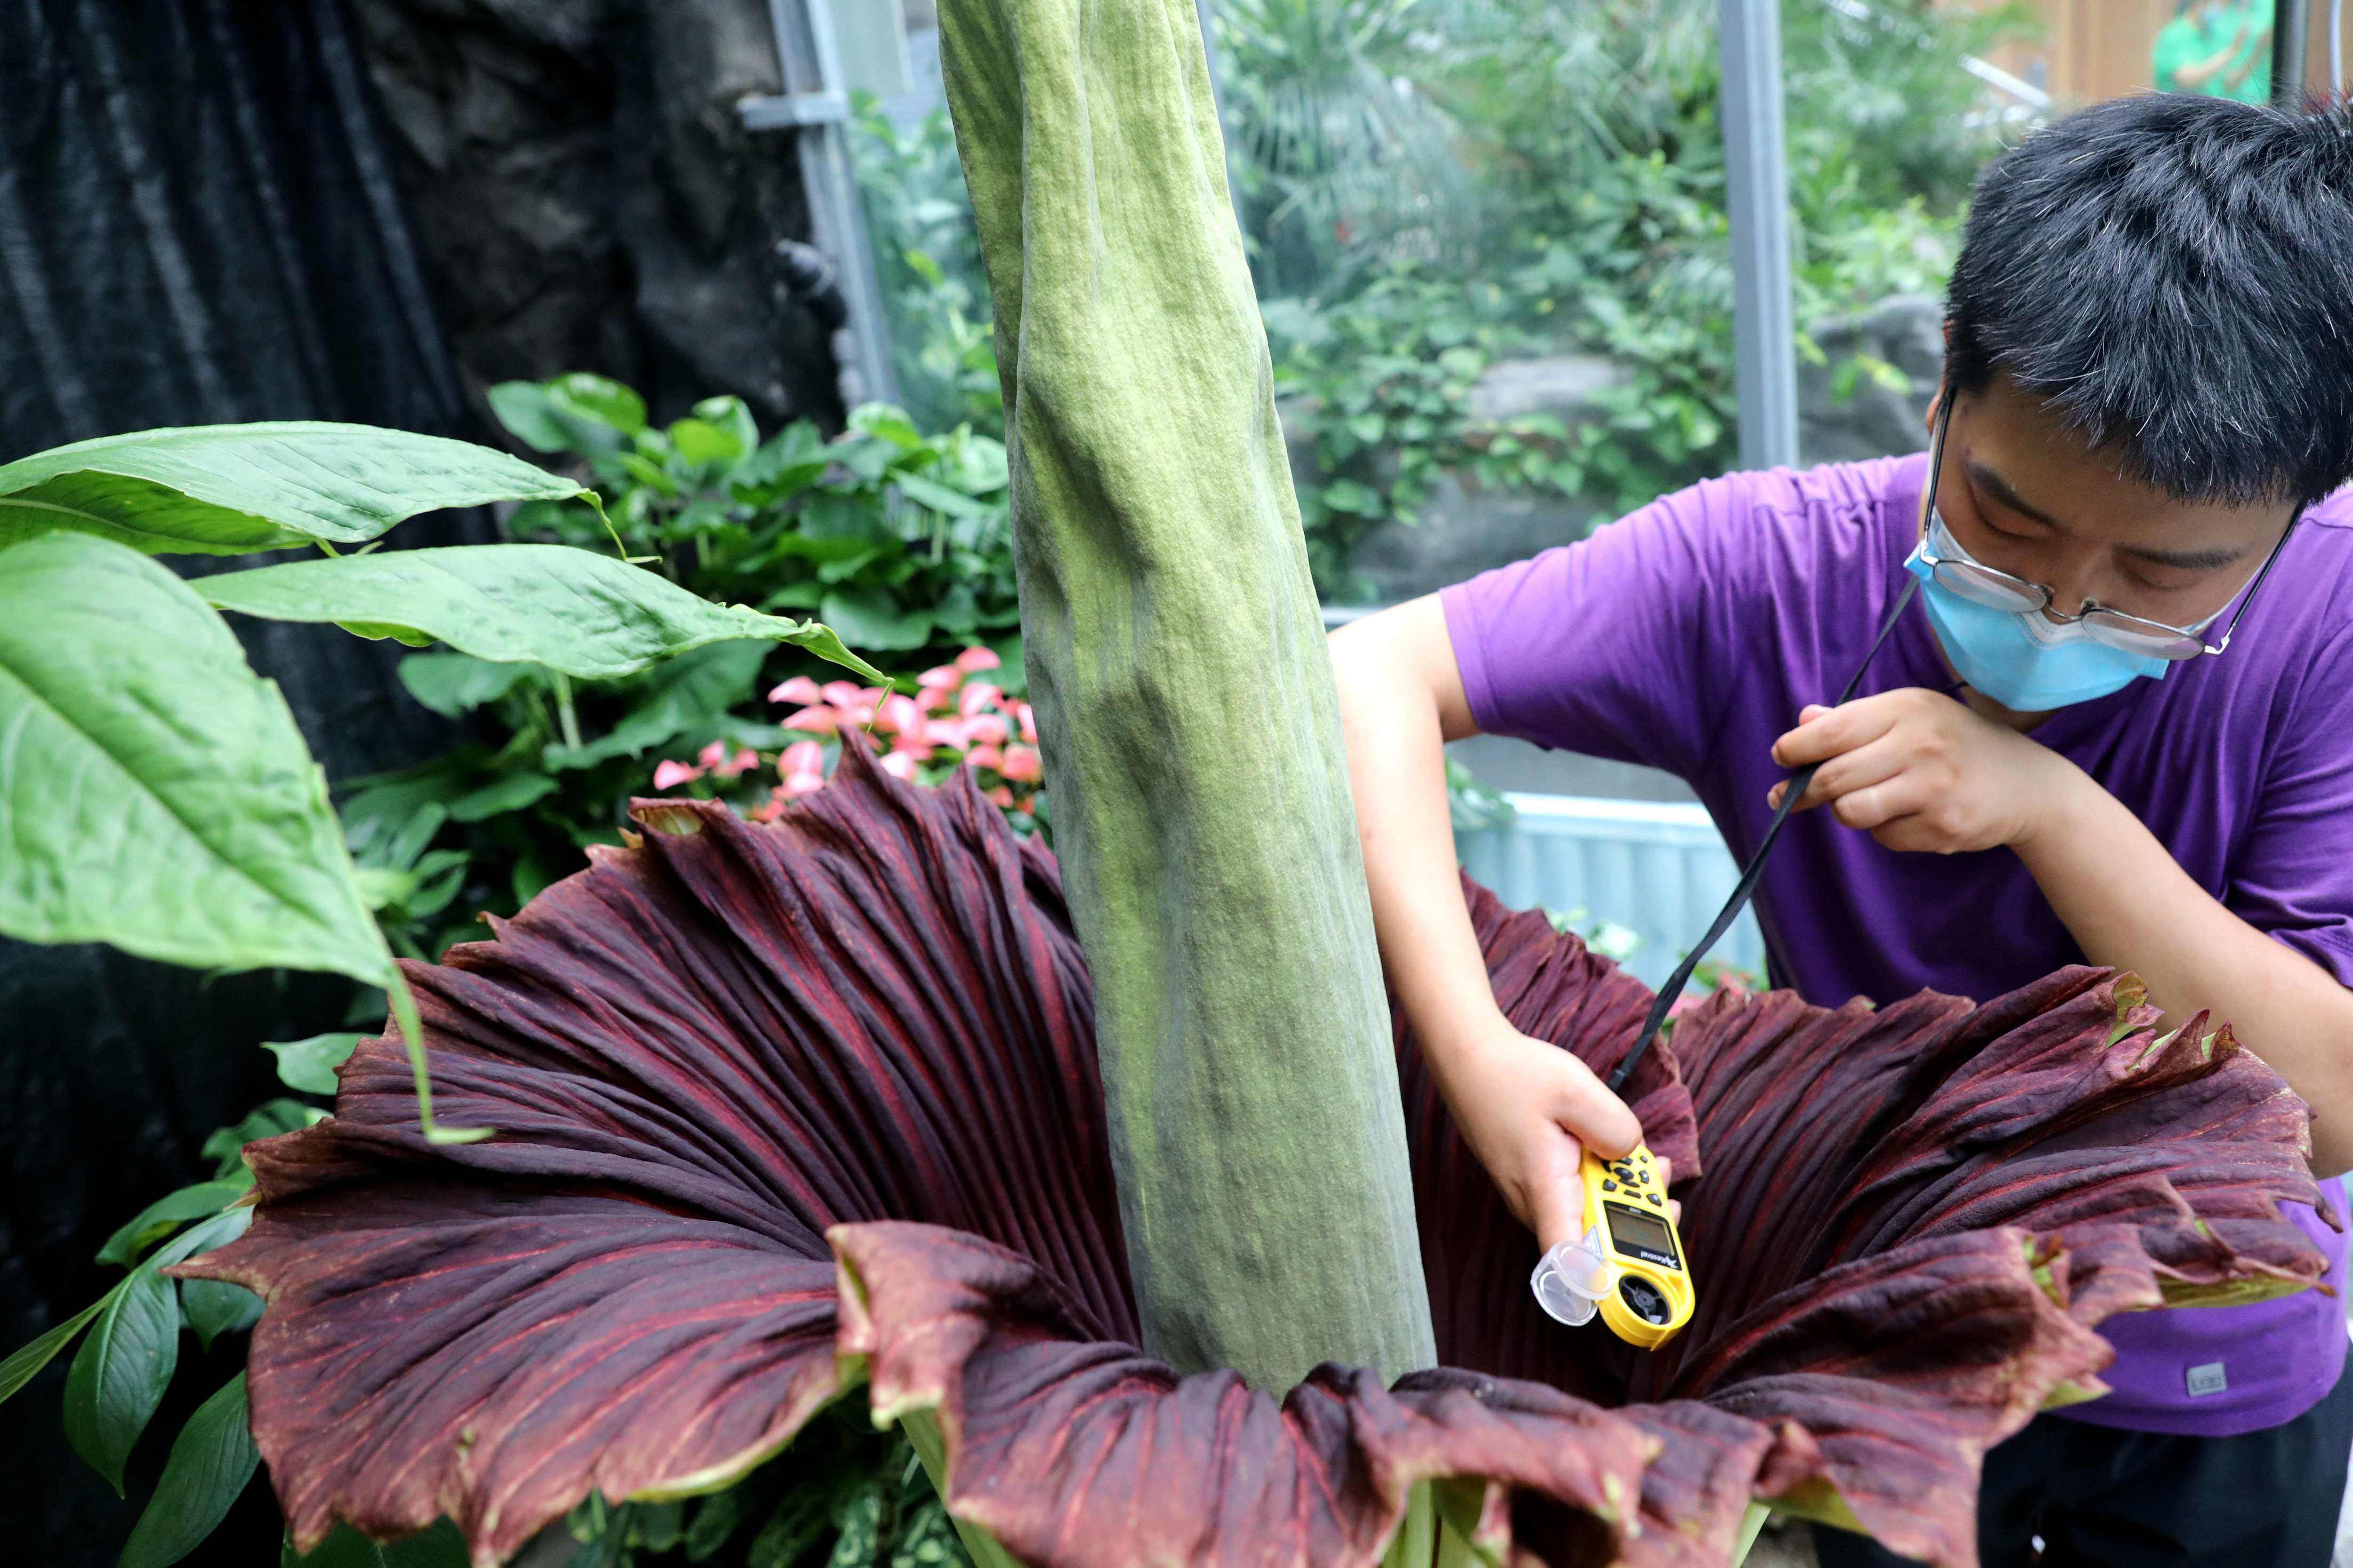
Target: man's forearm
2130, 906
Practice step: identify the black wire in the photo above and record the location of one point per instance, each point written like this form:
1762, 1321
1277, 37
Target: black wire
1798, 781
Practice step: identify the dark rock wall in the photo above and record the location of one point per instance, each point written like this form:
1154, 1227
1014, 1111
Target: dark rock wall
586, 199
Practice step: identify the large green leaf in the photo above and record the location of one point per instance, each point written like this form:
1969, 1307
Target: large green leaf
168, 1213
154, 793
215, 1306
120, 1372
211, 1460
572, 610
119, 1375
309, 1065
221, 489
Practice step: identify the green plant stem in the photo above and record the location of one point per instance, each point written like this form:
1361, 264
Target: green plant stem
412, 1036
563, 711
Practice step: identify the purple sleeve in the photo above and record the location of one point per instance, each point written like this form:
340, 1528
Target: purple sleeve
1613, 646
2291, 875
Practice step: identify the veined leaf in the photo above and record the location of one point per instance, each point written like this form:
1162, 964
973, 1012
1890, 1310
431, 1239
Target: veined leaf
223, 490
168, 1213
309, 1065
212, 1461
120, 1372
154, 793
119, 1375
572, 610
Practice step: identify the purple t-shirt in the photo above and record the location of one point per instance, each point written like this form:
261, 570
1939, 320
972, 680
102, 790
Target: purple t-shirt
1688, 636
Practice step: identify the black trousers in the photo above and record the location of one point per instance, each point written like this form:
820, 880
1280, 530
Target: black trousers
2100, 1498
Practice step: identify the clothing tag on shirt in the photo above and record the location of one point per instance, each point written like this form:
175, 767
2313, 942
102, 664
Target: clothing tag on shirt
2207, 1379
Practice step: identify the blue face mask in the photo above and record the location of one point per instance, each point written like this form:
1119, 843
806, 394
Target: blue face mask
2022, 661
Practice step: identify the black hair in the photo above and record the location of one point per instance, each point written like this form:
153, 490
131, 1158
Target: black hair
2173, 273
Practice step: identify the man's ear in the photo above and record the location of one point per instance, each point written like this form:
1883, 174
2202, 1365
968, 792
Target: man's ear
1943, 390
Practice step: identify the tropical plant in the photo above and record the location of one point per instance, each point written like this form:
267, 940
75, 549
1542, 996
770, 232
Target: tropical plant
1339, 160
899, 540
180, 816
927, 252
956, 720
751, 1160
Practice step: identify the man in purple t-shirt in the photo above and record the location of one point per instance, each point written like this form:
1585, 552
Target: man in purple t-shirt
2115, 726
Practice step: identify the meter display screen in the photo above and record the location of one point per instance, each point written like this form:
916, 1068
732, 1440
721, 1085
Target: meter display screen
1645, 1235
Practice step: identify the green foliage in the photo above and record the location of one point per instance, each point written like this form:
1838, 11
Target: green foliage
1379, 389
1588, 135
1340, 160
210, 1463
897, 540
927, 253
155, 791
132, 1350
568, 610
488, 825
842, 1495
225, 489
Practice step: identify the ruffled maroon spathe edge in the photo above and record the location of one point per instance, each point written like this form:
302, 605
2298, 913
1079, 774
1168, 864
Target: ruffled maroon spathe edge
733, 1065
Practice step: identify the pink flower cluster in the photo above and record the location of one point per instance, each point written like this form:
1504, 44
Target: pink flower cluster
955, 719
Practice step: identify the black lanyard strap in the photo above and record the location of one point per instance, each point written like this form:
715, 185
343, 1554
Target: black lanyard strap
1799, 782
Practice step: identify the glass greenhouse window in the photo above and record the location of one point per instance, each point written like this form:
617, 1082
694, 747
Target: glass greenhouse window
1490, 237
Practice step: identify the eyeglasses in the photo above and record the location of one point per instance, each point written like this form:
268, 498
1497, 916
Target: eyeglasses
1988, 585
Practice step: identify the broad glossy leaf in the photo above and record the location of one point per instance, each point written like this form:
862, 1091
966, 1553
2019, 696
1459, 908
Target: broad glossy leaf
154, 793
455, 683
223, 490
211, 1461
574, 610
120, 1374
168, 1213
781, 1106
309, 1065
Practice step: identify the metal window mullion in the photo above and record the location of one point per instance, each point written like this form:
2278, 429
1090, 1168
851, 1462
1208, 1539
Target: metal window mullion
805, 50
2291, 36
1756, 174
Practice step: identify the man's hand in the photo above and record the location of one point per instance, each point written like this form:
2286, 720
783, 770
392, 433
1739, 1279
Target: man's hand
1918, 771
1527, 1109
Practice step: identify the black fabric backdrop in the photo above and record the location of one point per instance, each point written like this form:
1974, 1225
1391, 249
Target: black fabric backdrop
198, 222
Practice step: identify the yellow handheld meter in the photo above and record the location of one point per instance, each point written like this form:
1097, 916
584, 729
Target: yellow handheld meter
1629, 1266
1652, 1296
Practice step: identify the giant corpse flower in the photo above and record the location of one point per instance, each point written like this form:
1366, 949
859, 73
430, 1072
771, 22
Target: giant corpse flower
784, 1108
